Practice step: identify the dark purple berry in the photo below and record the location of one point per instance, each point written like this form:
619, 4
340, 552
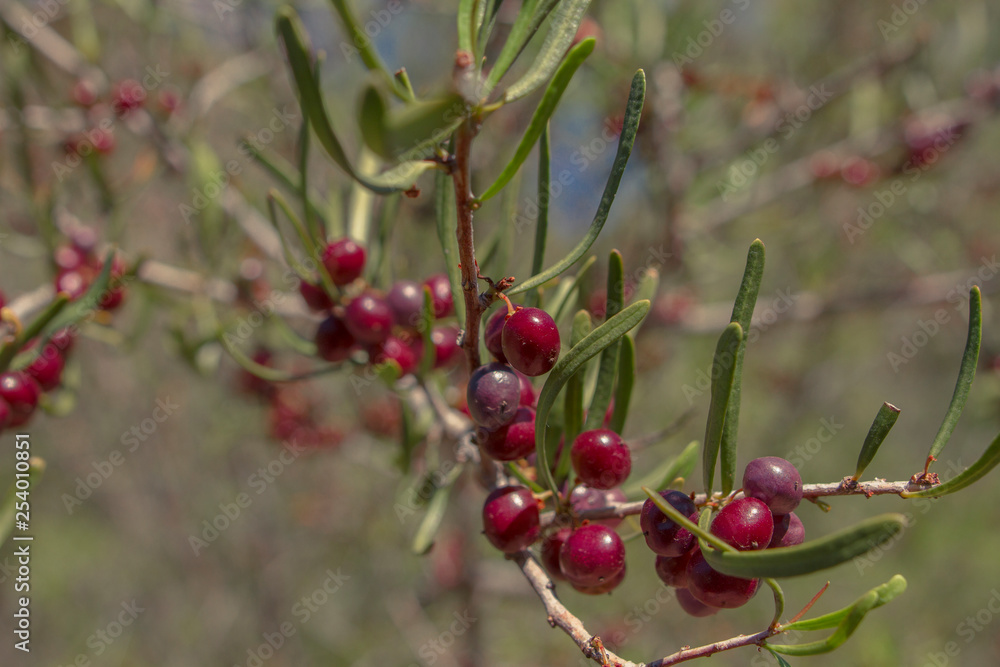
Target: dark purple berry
788, 531
530, 340
745, 524
5, 414
663, 536
775, 481
47, 367
344, 260
368, 318
406, 299
315, 296
585, 498
492, 395
693, 606
550, 552
441, 295
672, 570
492, 334
333, 341
601, 459
21, 393
604, 587
512, 441
446, 349
510, 518
591, 555
716, 589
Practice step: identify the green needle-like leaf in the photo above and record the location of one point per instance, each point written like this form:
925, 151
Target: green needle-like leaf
444, 201
966, 373
667, 471
851, 619
562, 30
985, 463
540, 119
365, 47
746, 300
633, 109
293, 36
529, 18
700, 529
810, 556
572, 361
466, 25
425, 327
885, 593
573, 396
626, 380
723, 370
608, 367
880, 428
542, 221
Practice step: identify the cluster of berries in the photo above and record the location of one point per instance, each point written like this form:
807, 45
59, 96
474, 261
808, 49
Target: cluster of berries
386, 326
21, 390
761, 519
78, 265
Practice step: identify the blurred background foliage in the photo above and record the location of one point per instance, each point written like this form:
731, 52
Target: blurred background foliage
814, 376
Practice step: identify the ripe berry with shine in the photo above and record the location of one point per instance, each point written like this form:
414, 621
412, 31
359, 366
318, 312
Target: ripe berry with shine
788, 531
493, 395
693, 606
775, 481
406, 299
368, 318
344, 260
745, 524
512, 441
530, 341
492, 334
315, 296
47, 367
510, 518
663, 536
21, 393
591, 555
441, 295
550, 552
601, 459
604, 587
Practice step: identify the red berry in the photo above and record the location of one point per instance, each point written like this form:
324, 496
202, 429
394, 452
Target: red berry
492, 335
584, 498
591, 555
745, 524
368, 318
672, 570
69, 258
4, 414
527, 391
550, 552
446, 349
775, 481
333, 341
663, 536
441, 295
406, 299
530, 341
601, 459
492, 395
510, 518
693, 606
344, 261
405, 353
85, 93
512, 441
47, 367
605, 587
788, 531
716, 589
315, 296
21, 393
